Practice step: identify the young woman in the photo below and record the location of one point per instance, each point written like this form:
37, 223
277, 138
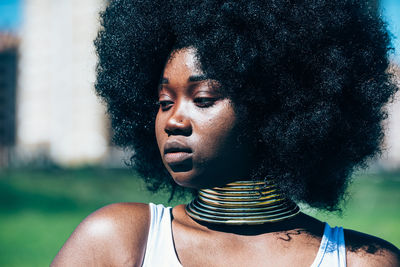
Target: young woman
259, 105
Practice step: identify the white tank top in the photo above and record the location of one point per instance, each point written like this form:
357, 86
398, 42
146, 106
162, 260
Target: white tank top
160, 249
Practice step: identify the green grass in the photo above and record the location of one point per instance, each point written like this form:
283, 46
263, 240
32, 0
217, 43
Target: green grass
373, 207
39, 209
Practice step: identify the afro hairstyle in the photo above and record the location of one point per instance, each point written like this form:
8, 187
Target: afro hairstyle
308, 78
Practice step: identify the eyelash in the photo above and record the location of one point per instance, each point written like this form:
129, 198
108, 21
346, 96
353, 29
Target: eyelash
201, 102
163, 104
204, 102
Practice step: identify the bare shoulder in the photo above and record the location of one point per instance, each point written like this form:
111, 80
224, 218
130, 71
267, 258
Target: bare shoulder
367, 250
113, 235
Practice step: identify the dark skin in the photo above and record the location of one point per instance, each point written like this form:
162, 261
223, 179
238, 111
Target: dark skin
195, 130
198, 123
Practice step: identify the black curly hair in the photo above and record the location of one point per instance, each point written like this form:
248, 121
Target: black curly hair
308, 78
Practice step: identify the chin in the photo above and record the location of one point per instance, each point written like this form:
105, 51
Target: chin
188, 179
184, 180
199, 178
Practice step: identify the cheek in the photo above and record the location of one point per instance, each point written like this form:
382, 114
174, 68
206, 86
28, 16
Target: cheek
159, 130
217, 131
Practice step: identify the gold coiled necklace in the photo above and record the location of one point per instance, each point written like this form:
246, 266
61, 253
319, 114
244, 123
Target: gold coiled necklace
242, 203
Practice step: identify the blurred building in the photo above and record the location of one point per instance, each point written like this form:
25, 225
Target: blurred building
391, 147
58, 112
8, 82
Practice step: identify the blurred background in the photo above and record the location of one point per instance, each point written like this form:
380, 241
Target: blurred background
57, 163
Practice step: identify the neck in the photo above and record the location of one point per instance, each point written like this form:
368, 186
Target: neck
242, 203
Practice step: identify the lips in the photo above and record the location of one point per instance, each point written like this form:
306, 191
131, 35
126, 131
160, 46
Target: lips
177, 153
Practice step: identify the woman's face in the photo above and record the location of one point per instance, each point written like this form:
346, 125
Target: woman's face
195, 126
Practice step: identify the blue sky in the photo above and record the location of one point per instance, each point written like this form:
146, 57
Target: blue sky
11, 16
391, 11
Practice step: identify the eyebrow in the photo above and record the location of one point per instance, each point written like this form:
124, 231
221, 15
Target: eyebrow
193, 78
197, 78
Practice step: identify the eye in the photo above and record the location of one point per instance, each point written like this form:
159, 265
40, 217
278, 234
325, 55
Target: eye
165, 104
204, 102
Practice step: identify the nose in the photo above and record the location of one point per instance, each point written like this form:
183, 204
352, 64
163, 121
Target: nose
179, 123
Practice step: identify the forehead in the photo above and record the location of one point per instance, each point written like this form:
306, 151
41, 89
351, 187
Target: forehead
182, 62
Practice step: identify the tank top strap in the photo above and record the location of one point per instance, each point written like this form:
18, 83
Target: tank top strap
160, 249
332, 250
